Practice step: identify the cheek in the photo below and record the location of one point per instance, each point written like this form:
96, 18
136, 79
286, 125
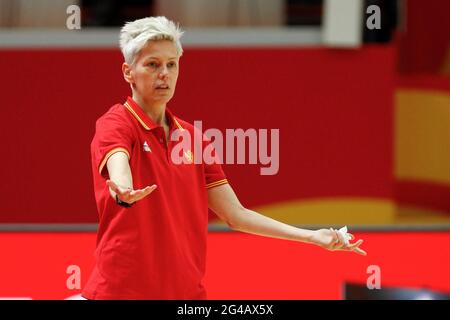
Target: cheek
174, 76
144, 77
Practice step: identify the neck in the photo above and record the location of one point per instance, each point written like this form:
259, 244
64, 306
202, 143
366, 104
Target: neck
156, 111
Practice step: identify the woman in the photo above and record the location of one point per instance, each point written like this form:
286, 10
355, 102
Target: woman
153, 211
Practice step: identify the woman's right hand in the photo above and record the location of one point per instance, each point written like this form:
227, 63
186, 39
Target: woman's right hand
129, 195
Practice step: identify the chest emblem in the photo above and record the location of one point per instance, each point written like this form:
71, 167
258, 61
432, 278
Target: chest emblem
146, 147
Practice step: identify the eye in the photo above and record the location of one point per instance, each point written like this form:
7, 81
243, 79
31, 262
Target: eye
152, 64
171, 65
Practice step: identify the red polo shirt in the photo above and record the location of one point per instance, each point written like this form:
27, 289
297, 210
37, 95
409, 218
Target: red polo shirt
155, 249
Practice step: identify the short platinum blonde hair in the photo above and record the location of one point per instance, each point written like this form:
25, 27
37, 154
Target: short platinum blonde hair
135, 35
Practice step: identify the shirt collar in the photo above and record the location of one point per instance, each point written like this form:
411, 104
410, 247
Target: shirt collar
145, 120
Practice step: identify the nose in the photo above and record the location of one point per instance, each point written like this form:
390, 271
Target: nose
163, 73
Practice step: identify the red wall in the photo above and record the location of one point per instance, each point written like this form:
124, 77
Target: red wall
240, 266
425, 40
333, 109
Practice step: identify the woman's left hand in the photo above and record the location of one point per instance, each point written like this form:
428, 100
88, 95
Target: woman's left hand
332, 240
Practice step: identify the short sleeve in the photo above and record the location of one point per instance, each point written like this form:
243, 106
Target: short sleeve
214, 175
112, 134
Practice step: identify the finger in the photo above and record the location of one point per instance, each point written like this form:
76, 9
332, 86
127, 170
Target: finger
356, 244
352, 237
142, 193
150, 189
360, 251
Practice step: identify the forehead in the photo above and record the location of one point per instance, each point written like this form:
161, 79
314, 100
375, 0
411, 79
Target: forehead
161, 49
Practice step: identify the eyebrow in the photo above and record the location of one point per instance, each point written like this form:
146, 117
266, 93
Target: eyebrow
158, 58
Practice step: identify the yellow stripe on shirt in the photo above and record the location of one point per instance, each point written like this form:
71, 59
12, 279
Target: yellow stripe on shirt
216, 183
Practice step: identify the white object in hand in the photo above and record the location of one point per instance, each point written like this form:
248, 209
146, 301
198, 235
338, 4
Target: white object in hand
345, 235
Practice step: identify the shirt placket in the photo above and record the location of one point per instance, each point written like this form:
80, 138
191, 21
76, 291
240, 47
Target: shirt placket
161, 138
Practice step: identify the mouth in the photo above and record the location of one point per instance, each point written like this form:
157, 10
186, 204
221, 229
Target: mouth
162, 87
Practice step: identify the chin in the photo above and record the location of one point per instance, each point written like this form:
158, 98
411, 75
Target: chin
164, 99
